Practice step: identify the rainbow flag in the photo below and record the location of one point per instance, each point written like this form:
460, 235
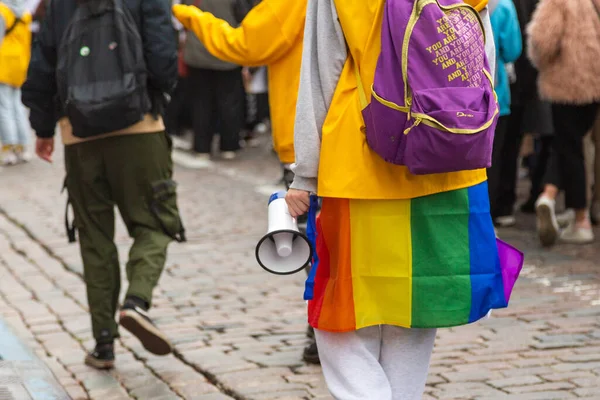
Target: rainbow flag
428, 262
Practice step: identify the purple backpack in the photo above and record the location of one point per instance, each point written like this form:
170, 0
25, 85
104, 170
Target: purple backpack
433, 106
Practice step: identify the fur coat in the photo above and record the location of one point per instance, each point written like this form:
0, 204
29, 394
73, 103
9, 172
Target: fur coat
564, 45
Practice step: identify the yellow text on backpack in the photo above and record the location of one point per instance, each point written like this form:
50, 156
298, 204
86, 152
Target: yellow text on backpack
15, 49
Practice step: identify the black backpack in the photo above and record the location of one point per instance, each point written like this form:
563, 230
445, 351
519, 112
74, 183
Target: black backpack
101, 71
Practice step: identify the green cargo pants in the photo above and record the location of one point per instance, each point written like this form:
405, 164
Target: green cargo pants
134, 173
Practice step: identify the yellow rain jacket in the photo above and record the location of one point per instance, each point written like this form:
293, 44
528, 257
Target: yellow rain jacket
271, 34
15, 49
348, 168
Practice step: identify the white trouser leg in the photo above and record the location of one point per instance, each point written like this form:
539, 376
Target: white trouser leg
21, 120
405, 357
350, 362
380, 362
8, 126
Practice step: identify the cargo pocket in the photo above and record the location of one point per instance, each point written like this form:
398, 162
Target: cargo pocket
70, 228
164, 209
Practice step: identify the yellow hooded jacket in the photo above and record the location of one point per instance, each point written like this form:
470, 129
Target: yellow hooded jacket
348, 168
271, 34
15, 49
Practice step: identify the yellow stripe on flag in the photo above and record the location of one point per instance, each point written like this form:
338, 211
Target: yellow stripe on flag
381, 252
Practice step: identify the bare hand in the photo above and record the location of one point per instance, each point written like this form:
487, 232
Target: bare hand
44, 148
298, 202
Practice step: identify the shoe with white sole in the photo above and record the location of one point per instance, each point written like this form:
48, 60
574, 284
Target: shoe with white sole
547, 225
8, 156
577, 235
134, 317
506, 221
228, 155
565, 218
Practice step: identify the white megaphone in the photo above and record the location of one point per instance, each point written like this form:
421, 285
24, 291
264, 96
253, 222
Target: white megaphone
284, 250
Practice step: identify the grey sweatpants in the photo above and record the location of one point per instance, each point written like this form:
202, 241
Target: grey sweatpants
380, 362
14, 127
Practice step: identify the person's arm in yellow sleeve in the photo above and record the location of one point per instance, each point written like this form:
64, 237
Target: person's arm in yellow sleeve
267, 33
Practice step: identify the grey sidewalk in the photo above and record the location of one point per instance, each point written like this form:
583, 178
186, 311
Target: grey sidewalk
239, 332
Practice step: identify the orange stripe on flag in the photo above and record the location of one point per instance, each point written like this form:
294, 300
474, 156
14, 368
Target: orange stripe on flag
337, 309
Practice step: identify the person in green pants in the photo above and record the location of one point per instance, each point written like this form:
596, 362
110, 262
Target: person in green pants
130, 168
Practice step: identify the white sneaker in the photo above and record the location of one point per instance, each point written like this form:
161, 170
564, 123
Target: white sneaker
9, 158
202, 156
228, 155
547, 225
577, 235
181, 143
506, 221
566, 218
24, 156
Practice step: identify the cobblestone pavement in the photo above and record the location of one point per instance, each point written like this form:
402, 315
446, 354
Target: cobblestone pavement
239, 332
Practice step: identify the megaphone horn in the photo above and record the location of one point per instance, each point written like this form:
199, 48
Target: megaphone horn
284, 250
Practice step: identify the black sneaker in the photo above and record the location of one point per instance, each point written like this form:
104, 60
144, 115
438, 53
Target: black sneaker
311, 353
103, 357
134, 317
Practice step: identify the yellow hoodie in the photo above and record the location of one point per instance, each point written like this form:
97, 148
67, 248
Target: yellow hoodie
348, 168
271, 34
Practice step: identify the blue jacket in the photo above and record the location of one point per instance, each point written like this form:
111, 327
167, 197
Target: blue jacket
509, 44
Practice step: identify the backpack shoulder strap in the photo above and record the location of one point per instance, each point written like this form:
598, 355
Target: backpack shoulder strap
6, 11
13, 26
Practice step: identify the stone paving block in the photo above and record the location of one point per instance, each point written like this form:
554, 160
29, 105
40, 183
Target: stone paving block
153, 390
516, 381
553, 395
566, 367
469, 376
588, 391
213, 396
76, 392
543, 387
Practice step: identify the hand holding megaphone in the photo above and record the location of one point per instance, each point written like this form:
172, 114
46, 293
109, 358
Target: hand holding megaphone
284, 249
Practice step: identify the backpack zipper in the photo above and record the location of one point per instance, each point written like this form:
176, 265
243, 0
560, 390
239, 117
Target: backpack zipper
414, 125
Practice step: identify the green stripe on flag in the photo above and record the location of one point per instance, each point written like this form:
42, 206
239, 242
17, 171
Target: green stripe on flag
441, 262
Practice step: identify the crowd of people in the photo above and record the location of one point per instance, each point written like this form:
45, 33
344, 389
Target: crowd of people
231, 68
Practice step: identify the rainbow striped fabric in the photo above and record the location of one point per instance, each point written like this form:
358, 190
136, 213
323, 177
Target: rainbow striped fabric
428, 262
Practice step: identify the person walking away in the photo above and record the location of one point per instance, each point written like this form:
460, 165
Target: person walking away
508, 41
283, 24
15, 52
116, 151
257, 103
216, 87
380, 224
528, 114
564, 44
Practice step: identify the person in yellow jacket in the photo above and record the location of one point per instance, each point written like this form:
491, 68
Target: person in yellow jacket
393, 248
271, 34
15, 52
